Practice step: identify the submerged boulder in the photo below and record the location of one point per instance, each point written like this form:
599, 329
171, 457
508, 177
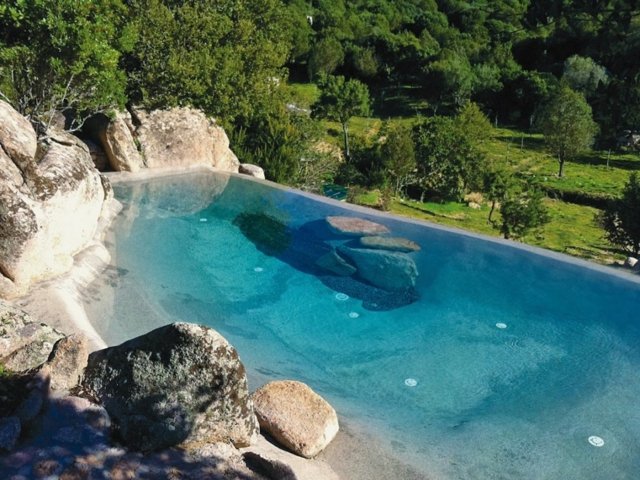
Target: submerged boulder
354, 226
296, 416
334, 263
178, 383
395, 244
391, 271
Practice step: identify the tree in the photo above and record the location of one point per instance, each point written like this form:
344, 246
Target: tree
621, 220
61, 56
497, 182
448, 163
326, 56
522, 211
398, 157
340, 100
567, 124
584, 75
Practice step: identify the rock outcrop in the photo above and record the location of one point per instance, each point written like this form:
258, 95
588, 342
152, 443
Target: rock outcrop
296, 417
180, 383
66, 362
24, 344
117, 139
51, 198
182, 137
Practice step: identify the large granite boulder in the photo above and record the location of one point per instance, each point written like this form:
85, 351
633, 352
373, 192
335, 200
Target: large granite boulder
49, 208
354, 226
334, 263
117, 139
295, 416
391, 271
182, 137
179, 383
24, 344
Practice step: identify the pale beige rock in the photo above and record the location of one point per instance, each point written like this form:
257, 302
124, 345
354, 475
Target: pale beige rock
396, 244
252, 170
355, 226
295, 416
49, 209
182, 137
17, 137
67, 362
119, 144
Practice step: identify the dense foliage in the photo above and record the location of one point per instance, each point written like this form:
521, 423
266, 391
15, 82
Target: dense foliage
622, 219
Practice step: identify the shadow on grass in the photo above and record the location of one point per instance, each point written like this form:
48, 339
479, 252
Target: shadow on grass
526, 142
601, 160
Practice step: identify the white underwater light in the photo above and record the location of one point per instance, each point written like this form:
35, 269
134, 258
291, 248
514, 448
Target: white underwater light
258, 269
410, 382
354, 314
342, 297
501, 325
596, 441
203, 219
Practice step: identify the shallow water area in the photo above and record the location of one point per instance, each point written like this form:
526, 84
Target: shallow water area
502, 363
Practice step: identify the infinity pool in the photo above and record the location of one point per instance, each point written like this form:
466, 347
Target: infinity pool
501, 363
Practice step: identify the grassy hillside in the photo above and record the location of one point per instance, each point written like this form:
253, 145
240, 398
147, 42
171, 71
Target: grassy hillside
572, 229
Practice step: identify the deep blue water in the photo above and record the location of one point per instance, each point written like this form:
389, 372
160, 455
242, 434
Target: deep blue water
486, 403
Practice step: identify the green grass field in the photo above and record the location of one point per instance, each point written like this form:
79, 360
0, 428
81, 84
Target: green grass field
572, 229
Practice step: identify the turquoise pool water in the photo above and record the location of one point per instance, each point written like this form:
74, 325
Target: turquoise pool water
501, 365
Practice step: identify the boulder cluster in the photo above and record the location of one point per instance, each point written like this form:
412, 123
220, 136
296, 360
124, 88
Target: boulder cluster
178, 392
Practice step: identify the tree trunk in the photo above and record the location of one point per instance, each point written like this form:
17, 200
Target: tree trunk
345, 132
493, 207
422, 197
561, 170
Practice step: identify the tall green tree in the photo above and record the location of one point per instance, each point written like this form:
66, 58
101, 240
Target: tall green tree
568, 127
340, 100
62, 56
398, 157
621, 220
498, 181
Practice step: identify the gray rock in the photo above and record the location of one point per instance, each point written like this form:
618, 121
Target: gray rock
24, 344
67, 362
9, 432
395, 244
268, 467
391, 271
98, 156
251, 170
296, 416
177, 384
335, 264
354, 226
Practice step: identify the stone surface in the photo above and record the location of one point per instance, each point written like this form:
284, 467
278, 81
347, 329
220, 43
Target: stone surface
24, 344
49, 209
67, 362
31, 405
395, 244
251, 170
17, 137
9, 432
334, 263
631, 262
391, 271
98, 156
354, 226
119, 145
295, 416
182, 137
177, 384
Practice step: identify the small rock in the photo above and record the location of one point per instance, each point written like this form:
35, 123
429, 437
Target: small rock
295, 416
251, 170
268, 467
631, 262
354, 226
335, 264
396, 244
47, 468
67, 362
474, 205
9, 432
